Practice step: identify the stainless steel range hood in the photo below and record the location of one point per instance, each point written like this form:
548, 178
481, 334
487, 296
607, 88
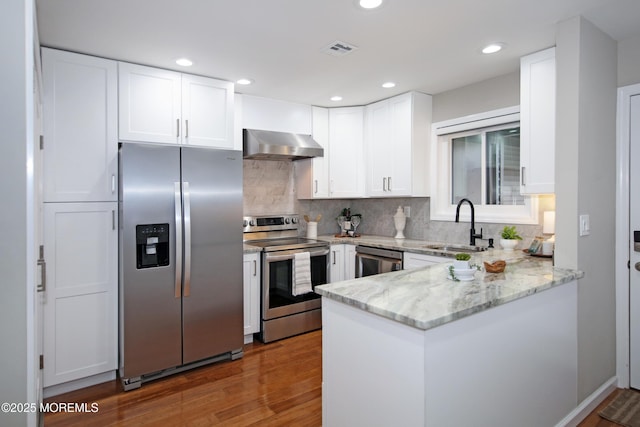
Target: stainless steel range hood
269, 145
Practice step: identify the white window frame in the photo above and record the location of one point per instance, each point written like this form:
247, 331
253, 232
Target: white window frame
441, 207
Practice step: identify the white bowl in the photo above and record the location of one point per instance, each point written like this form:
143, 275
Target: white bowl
466, 274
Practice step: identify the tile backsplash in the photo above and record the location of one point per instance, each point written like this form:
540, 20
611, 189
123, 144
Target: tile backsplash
269, 188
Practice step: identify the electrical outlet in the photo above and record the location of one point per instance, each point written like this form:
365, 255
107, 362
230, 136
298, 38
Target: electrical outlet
407, 211
585, 226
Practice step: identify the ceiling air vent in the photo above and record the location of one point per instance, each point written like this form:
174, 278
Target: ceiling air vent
338, 48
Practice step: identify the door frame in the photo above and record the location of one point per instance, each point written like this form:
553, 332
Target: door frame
622, 233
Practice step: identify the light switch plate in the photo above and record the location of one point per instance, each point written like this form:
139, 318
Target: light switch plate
585, 226
407, 211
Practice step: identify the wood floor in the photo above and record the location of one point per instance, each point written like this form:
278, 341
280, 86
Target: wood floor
277, 384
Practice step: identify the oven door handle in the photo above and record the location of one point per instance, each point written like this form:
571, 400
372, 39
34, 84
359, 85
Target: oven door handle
286, 255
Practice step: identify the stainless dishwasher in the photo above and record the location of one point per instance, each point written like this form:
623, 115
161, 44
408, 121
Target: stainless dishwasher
370, 260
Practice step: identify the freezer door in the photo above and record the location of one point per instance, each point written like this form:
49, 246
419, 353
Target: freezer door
150, 313
212, 300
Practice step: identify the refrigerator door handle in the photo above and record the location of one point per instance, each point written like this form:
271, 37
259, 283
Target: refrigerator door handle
178, 209
187, 238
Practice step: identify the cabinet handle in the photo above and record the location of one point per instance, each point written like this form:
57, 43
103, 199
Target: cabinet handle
177, 128
522, 175
186, 206
186, 128
178, 240
43, 271
113, 183
334, 257
255, 268
384, 183
315, 182
388, 183
113, 219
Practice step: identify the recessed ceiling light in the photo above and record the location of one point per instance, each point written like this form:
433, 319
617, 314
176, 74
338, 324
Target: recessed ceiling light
184, 62
244, 81
493, 48
370, 4
336, 98
388, 85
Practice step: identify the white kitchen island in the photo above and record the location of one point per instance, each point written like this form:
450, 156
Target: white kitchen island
413, 348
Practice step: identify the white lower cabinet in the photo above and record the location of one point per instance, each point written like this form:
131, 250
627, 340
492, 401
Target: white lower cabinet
251, 285
342, 262
80, 309
412, 260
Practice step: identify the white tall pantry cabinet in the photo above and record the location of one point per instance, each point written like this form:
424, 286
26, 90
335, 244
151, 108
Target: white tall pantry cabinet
80, 216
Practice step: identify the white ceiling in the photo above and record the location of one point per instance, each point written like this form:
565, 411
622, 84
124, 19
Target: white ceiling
426, 45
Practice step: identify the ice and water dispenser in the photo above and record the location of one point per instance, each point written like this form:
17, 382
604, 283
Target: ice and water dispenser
152, 245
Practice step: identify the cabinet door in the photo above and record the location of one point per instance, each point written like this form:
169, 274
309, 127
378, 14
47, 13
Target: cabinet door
150, 104
346, 156
379, 148
401, 145
537, 122
411, 260
389, 144
251, 283
80, 127
336, 263
80, 311
207, 112
312, 175
349, 262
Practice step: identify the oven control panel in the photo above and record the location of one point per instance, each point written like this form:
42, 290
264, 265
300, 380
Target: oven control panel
269, 223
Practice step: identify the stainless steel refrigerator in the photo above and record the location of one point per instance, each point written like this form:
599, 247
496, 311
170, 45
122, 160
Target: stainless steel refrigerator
180, 259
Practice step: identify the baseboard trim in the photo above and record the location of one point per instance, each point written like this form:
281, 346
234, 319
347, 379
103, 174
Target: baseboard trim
57, 389
589, 404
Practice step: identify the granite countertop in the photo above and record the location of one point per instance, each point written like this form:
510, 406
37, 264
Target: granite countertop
426, 298
405, 245
247, 249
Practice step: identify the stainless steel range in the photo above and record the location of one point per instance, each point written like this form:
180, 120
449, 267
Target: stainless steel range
289, 262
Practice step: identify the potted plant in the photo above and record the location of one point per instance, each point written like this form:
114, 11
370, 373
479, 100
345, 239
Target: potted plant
462, 262
509, 237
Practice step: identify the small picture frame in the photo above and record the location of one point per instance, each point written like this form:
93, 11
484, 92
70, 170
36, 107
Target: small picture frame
536, 245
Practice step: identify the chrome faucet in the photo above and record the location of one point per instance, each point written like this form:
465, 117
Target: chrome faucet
472, 232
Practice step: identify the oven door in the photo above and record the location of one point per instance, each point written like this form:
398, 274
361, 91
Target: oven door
277, 282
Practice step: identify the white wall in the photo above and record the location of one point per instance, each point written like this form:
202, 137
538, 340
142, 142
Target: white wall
629, 61
585, 184
16, 216
498, 92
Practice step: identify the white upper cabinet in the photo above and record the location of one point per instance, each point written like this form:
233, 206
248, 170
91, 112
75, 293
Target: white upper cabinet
537, 122
346, 152
340, 173
207, 112
312, 175
397, 145
80, 127
168, 107
275, 115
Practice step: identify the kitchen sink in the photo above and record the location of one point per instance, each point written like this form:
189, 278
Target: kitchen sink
456, 248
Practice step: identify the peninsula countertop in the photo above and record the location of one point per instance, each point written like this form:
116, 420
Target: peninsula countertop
426, 298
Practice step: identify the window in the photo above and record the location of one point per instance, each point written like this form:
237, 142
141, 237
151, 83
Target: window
478, 158
486, 166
